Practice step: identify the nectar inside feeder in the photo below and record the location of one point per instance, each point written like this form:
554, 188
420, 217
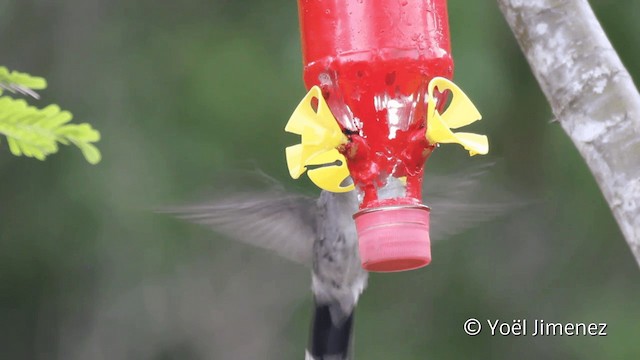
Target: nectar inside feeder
378, 73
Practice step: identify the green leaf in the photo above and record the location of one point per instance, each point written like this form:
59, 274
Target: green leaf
36, 133
91, 153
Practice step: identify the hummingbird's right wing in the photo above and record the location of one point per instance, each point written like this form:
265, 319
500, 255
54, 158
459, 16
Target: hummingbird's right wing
273, 220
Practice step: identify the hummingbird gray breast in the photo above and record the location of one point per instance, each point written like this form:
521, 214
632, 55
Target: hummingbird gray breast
338, 278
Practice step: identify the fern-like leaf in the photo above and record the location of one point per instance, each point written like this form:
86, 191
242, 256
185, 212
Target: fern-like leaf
34, 132
17, 82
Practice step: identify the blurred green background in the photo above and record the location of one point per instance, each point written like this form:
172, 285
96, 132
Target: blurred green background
184, 91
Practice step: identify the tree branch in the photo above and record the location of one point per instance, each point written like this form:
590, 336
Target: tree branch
591, 94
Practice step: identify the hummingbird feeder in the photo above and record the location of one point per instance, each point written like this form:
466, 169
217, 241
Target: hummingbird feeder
378, 74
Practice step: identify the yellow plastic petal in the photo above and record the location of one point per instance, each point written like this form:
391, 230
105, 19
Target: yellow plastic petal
330, 177
460, 112
298, 157
438, 132
320, 136
317, 127
294, 160
476, 144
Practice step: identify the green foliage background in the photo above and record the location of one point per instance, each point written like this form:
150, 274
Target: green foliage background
184, 91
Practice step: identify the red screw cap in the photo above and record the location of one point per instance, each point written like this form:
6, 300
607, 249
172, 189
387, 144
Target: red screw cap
394, 238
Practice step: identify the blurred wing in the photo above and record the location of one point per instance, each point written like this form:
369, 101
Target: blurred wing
272, 220
463, 200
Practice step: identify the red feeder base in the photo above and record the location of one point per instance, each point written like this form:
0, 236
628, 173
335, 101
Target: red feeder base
394, 238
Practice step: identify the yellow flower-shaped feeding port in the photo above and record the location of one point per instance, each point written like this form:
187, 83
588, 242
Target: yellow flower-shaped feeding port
459, 113
317, 152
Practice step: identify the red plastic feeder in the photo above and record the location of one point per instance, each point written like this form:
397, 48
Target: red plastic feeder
373, 60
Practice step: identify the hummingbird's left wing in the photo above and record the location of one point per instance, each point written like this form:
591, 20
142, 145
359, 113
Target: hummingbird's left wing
463, 200
273, 220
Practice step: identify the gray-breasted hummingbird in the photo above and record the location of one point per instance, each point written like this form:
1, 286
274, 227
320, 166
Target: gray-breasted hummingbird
321, 233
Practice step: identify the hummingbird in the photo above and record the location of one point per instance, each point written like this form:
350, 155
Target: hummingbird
321, 234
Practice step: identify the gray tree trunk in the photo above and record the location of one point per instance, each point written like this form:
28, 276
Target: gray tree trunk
591, 94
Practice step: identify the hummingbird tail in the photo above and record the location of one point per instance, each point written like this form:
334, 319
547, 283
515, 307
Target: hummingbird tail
328, 339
